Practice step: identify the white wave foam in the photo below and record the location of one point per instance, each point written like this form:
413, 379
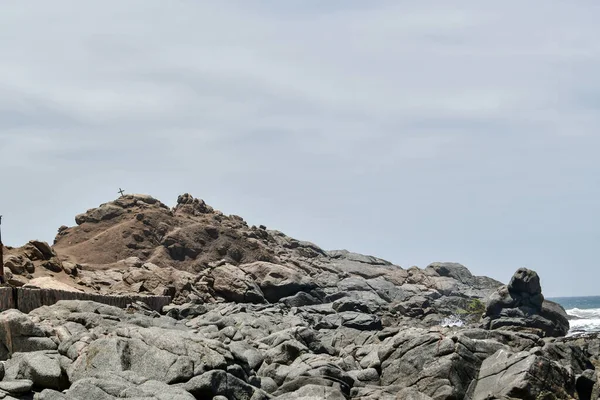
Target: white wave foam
590, 313
452, 321
585, 320
584, 326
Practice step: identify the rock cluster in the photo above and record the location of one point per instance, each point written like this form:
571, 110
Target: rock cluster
78, 349
34, 259
259, 315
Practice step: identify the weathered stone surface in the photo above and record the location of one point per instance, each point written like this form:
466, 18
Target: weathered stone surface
524, 375
164, 355
441, 367
312, 391
278, 281
351, 319
18, 333
233, 284
217, 383
259, 315
521, 306
16, 387
46, 369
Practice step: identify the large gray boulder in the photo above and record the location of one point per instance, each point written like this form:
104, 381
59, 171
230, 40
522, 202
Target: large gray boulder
431, 363
278, 281
220, 383
18, 333
233, 284
520, 305
46, 369
112, 386
523, 375
164, 355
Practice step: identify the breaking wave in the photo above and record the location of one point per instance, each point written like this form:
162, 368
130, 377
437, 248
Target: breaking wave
584, 320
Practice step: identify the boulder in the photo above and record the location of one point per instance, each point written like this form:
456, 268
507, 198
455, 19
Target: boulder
220, 383
16, 387
18, 333
455, 271
416, 306
520, 305
102, 213
184, 311
109, 386
233, 284
44, 248
168, 356
278, 281
436, 365
46, 369
300, 299
312, 391
351, 319
523, 375
18, 265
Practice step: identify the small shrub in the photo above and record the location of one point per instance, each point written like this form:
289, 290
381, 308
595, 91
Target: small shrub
475, 310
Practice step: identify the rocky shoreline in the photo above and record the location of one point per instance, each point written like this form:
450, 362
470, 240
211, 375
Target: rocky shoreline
259, 315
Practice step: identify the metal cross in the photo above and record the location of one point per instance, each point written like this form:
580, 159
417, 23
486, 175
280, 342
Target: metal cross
121, 191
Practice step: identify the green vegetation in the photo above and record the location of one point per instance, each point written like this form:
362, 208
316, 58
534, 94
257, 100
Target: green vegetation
475, 310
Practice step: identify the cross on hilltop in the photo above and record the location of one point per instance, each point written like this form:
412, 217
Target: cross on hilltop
121, 191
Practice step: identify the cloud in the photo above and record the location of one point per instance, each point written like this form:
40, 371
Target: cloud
416, 131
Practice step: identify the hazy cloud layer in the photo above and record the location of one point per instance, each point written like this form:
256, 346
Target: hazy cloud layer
415, 131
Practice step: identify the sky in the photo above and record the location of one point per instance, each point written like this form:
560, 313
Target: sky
461, 131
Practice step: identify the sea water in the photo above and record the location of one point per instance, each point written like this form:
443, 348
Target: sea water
584, 313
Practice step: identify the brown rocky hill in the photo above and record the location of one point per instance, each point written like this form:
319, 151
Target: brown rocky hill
136, 244
189, 237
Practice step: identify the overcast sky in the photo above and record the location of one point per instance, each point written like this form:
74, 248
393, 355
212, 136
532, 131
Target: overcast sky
416, 131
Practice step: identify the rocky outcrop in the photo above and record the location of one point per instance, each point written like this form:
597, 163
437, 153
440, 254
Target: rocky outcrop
268, 351
259, 315
520, 305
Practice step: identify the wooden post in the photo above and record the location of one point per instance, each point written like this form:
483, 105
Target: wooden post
2, 281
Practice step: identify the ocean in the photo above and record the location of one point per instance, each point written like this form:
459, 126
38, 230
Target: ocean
584, 313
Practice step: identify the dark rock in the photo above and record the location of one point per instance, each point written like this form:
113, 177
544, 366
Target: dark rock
220, 383
587, 385
417, 306
349, 304
299, 299
53, 265
351, 319
17, 264
44, 248
525, 281
187, 310
521, 306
